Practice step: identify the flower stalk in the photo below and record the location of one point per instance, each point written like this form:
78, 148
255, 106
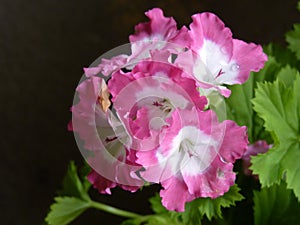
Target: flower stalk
113, 210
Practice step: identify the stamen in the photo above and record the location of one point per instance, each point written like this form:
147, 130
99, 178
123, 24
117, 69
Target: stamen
220, 73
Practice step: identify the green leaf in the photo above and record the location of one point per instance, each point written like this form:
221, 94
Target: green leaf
276, 205
293, 39
72, 185
130, 222
283, 55
287, 75
211, 208
156, 205
84, 171
159, 209
65, 210
195, 210
75, 200
278, 105
239, 106
192, 214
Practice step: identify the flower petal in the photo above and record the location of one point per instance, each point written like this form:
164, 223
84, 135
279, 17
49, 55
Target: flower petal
175, 194
211, 38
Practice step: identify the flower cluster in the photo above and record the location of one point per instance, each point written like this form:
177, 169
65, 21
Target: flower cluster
152, 120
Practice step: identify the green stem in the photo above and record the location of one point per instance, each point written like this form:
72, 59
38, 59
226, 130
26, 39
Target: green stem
113, 210
137, 217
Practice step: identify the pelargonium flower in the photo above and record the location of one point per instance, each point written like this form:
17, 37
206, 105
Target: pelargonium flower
258, 147
146, 96
215, 58
196, 158
160, 33
155, 127
103, 147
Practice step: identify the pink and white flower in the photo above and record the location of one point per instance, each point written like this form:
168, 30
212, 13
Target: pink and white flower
196, 158
103, 136
215, 58
160, 33
155, 127
146, 96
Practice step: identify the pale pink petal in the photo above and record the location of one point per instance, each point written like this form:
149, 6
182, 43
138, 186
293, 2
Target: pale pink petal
91, 71
101, 136
107, 66
163, 56
83, 113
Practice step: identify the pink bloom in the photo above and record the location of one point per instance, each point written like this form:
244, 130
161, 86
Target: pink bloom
160, 33
253, 150
195, 157
215, 58
103, 136
145, 97
157, 129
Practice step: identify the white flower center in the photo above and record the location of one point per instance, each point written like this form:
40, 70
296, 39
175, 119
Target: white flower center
197, 149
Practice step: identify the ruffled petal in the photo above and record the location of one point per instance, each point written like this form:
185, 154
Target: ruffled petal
107, 66
248, 57
234, 143
160, 33
214, 182
210, 38
197, 153
175, 194
217, 58
104, 185
159, 28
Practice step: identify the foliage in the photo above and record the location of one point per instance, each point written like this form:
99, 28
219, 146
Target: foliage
276, 205
74, 202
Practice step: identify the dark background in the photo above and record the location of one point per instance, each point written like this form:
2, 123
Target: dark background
43, 47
